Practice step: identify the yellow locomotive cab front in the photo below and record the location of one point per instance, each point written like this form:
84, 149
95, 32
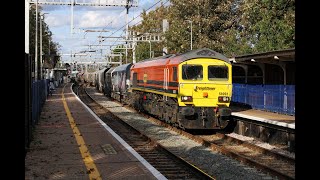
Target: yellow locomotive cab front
205, 83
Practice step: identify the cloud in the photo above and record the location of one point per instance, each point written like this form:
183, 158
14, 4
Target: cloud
110, 18
146, 4
57, 20
50, 8
93, 19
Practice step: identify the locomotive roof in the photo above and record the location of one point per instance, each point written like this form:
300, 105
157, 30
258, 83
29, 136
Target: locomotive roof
160, 57
205, 53
103, 70
123, 67
178, 58
111, 69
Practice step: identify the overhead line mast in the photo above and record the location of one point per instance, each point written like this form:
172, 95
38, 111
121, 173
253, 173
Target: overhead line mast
127, 4
127, 29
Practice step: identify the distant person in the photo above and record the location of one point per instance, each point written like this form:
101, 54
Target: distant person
51, 87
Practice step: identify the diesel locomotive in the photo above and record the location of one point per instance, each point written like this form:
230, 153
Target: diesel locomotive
192, 90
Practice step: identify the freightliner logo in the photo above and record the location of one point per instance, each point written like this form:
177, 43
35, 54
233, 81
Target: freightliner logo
205, 88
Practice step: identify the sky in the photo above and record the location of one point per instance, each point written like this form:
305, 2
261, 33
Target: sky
108, 18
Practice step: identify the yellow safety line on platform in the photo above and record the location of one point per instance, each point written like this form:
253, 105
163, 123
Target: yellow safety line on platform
92, 170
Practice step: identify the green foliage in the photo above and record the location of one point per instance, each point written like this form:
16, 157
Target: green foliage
209, 19
143, 51
263, 26
46, 36
152, 23
231, 27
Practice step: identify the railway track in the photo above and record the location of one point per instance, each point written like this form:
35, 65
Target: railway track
171, 166
277, 164
268, 161
274, 163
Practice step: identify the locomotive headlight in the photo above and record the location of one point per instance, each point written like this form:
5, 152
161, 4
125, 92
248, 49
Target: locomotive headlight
186, 98
223, 99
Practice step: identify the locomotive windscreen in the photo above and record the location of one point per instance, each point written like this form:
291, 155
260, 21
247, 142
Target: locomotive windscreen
217, 72
192, 72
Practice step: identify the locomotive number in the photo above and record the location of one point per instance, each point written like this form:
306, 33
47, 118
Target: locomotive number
223, 93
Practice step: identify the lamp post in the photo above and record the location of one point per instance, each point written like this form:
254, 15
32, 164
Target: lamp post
190, 33
36, 46
41, 53
150, 48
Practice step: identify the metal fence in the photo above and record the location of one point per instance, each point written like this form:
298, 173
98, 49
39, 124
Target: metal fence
39, 96
27, 102
36, 93
274, 98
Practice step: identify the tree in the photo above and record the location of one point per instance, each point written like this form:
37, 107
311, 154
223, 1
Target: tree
209, 19
46, 37
263, 26
152, 23
231, 27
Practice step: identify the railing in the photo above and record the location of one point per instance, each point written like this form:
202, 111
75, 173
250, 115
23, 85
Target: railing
39, 96
274, 98
35, 96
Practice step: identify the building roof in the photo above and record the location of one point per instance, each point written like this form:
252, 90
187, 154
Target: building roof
267, 57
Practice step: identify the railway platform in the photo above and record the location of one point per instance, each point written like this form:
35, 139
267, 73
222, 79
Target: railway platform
264, 116
72, 143
270, 127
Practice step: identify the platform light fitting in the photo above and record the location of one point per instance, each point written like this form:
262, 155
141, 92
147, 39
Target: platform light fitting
233, 60
276, 57
253, 60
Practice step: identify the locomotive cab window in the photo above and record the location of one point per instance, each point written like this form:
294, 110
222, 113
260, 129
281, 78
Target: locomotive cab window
217, 72
192, 72
174, 78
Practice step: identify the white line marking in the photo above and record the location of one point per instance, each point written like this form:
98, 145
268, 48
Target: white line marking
154, 171
292, 126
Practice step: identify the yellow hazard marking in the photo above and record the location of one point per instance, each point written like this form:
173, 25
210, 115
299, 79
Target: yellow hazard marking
92, 170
